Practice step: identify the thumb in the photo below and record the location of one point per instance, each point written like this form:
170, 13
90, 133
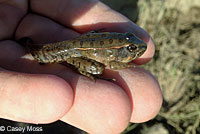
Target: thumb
33, 98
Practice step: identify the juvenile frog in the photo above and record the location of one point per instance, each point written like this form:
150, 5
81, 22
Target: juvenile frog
90, 52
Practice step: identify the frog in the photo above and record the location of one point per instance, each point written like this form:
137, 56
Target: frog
91, 52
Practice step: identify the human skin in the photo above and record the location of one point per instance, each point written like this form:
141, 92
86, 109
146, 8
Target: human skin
35, 93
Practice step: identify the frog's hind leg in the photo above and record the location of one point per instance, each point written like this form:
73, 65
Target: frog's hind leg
92, 77
86, 67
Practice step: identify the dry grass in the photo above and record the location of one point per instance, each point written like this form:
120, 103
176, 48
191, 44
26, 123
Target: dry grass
174, 26
176, 64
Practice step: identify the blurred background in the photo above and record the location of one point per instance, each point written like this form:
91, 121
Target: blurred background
174, 26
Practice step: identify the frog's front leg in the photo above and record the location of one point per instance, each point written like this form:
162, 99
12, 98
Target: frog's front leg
119, 65
86, 67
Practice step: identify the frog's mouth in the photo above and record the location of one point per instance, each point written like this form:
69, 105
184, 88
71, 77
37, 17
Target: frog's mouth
141, 49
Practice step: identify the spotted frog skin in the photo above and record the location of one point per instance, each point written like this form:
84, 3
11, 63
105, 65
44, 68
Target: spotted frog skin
90, 52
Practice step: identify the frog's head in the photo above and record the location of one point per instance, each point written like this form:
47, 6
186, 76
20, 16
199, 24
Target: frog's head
133, 48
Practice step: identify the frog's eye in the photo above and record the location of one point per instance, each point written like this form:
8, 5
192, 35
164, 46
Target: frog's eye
131, 48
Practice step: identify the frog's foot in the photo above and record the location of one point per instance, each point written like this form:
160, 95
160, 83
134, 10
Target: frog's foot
119, 65
94, 77
87, 74
107, 79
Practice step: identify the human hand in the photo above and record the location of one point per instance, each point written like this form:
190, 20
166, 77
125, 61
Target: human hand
33, 93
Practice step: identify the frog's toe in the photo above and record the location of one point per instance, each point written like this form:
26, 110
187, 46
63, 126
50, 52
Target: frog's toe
87, 74
107, 79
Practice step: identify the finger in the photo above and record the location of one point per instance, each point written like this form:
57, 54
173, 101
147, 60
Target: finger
28, 97
43, 30
99, 107
11, 12
143, 91
91, 15
63, 11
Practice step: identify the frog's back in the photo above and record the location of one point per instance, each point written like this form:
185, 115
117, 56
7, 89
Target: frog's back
80, 46
90, 41
98, 40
